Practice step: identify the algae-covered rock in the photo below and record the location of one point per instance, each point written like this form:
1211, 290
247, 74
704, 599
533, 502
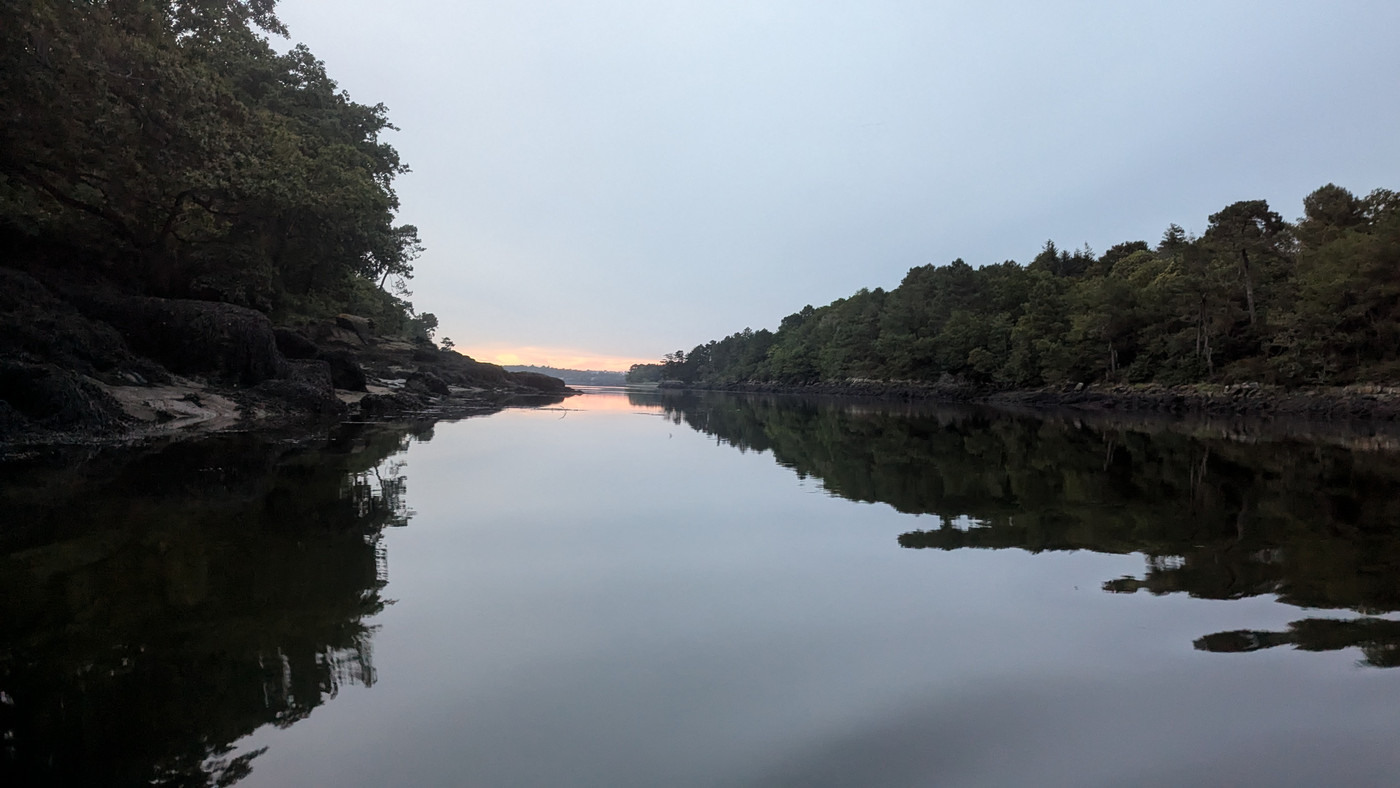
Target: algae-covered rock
55, 399
293, 344
346, 372
199, 337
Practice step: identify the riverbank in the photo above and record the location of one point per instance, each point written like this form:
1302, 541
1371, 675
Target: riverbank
84, 362
1357, 403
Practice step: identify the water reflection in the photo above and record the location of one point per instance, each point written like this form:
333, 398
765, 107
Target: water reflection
158, 607
1378, 638
1218, 512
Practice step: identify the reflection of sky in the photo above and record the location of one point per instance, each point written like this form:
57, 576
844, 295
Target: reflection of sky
599, 399
601, 599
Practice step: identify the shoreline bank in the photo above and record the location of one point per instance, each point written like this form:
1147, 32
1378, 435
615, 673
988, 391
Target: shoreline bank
1357, 403
84, 362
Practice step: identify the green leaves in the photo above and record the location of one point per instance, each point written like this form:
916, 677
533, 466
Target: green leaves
170, 136
1254, 299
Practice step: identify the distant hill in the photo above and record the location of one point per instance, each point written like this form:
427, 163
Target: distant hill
577, 377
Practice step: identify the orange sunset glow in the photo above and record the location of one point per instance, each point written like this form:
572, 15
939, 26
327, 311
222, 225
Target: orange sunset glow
606, 403
557, 357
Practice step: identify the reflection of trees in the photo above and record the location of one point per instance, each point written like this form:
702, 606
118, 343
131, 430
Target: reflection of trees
1216, 516
160, 607
1378, 638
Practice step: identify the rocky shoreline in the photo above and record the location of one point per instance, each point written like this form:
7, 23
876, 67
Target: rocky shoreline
1379, 405
86, 363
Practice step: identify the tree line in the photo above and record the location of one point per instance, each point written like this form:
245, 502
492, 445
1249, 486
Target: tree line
171, 149
1255, 298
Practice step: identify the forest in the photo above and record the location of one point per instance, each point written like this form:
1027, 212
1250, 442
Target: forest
167, 147
1253, 299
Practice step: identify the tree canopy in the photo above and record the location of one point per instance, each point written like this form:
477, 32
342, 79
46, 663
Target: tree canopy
171, 143
1254, 298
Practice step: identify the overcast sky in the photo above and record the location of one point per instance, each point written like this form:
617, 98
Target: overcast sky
599, 183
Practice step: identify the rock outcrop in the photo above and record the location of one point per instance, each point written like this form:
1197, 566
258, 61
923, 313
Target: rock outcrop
232, 343
48, 397
81, 360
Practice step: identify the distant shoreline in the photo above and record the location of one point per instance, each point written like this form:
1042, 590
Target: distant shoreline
574, 377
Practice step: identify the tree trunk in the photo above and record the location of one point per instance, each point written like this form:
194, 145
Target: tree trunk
1248, 283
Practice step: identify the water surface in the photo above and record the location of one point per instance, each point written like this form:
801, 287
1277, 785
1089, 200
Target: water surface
709, 590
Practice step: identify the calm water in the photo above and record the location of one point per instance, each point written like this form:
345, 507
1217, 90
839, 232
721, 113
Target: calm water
710, 591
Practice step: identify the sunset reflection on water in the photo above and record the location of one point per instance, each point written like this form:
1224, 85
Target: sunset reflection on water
612, 399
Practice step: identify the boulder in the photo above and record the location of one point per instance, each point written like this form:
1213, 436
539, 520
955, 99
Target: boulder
328, 333
38, 326
312, 372
387, 405
427, 382
199, 337
306, 387
293, 344
51, 397
362, 326
346, 372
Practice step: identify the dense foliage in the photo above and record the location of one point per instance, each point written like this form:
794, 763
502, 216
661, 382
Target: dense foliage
167, 143
1254, 298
